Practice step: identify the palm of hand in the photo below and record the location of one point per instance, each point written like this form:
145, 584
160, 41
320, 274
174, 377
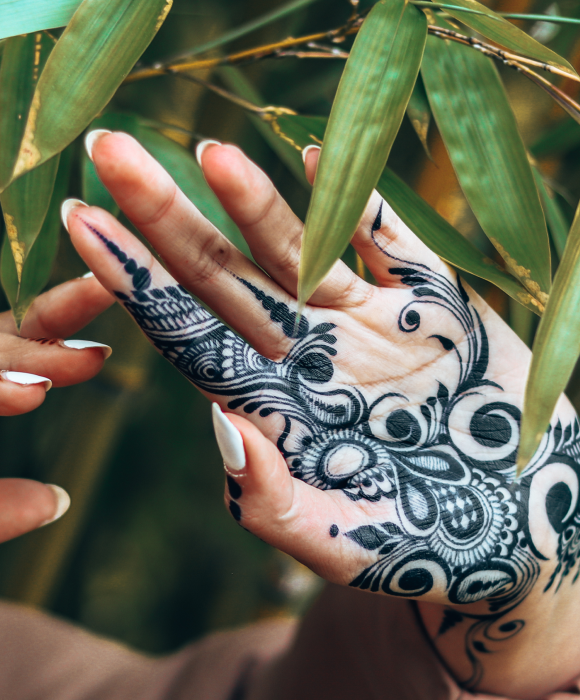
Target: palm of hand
387, 404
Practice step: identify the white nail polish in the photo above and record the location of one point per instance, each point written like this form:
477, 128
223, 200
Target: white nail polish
92, 137
201, 146
62, 503
229, 440
25, 378
84, 344
67, 206
88, 275
308, 148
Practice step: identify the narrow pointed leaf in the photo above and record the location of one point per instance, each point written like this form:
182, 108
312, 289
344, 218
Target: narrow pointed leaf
420, 217
25, 16
37, 268
480, 132
26, 201
419, 113
493, 26
22, 62
555, 351
97, 50
24, 205
366, 115
446, 241
557, 223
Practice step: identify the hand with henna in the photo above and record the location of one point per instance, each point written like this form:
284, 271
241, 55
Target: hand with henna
372, 438
30, 364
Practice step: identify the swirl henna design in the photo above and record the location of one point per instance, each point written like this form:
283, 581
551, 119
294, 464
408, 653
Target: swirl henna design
446, 462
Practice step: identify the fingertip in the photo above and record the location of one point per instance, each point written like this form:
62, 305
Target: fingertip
310, 157
201, 148
26, 505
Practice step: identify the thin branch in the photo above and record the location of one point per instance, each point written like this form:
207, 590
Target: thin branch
334, 35
247, 28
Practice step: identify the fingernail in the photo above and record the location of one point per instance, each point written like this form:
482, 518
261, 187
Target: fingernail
83, 344
62, 503
229, 440
92, 137
201, 146
67, 206
308, 148
25, 378
87, 275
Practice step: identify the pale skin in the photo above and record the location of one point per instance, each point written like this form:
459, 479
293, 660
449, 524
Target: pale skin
66, 309
373, 355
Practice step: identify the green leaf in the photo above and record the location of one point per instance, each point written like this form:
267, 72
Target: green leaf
493, 26
22, 62
480, 133
555, 351
179, 163
427, 224
36, 271
25, 16
24, 205
554, 215
92, 57
446, 241
288, 152
419, 113
237, 32
366, 115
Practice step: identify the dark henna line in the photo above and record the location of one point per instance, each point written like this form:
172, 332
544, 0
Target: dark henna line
235, 510
334, 531
235, 490
462, 520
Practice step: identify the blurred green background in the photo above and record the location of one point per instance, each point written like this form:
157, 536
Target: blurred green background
147, 553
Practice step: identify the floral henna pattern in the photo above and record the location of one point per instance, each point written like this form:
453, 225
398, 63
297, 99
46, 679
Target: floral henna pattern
447, 462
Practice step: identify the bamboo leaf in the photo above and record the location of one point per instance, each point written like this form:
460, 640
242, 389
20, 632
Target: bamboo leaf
562, 136
481, 135
25, 16
429, 226
22, 62
445, 240
419, 113
554, 215
555, 351
24, 206
37, 268
96, 51
493, 26
25, 202
366, 115
288, 152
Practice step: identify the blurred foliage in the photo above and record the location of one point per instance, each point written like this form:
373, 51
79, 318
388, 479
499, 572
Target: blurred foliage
147, 553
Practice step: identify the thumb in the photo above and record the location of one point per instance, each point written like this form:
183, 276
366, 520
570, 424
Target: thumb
285, 512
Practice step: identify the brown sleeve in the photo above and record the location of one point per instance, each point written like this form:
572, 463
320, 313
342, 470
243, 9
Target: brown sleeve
42, 658
354, 644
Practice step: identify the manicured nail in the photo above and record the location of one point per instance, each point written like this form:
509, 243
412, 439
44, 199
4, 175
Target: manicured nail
92, 137
87, 275
25, 378
308, 148
62, 503
201, 146
83, 344
229, 440
67, 206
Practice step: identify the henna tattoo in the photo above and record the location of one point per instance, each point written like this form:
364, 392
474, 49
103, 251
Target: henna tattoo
445, 462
